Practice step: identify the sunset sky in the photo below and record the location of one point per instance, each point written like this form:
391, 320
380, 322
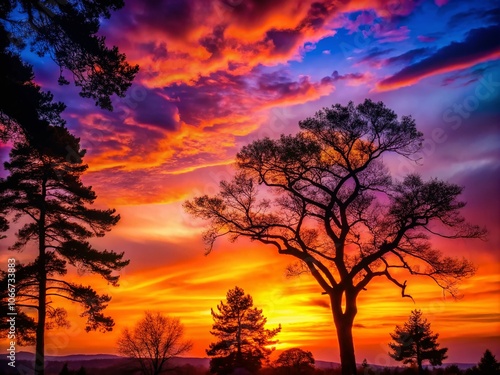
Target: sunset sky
216, 75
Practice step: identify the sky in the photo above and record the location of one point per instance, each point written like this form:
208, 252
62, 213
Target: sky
216, 75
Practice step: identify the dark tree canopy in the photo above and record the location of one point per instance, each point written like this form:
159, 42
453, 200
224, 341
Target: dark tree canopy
241, 335
415, 343
295, 361
324, 197
25, 324
67, 31
26, 112
45, 190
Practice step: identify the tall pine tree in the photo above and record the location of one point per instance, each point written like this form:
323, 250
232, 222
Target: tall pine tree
241, 335
415, 343
45, 190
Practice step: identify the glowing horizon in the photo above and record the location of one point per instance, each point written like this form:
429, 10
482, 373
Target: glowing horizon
214, 78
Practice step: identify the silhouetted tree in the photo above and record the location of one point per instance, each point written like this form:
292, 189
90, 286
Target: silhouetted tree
153, 341
26, 112
415, 343
333, 206
45, 189
366, 369
241, 333
364, 364
472, 371
488, 365
4, 223
81, 371
295, 361
68, 32
65, 370
38, 105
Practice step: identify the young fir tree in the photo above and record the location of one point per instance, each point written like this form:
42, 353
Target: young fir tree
241, 336
45, 190
415, 343
488, 364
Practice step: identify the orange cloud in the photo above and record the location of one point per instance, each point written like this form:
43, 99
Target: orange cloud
215, 36
210, 119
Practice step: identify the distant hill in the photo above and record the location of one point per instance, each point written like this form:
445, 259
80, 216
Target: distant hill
326, 365
108, 364
96, 364
27, 356
461, 366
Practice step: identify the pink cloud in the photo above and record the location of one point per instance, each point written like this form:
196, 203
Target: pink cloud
440, 3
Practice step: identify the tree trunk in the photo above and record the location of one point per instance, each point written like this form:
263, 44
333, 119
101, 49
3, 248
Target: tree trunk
346, 345
343, 323
419, 359
239, 355
42, 291
40, 329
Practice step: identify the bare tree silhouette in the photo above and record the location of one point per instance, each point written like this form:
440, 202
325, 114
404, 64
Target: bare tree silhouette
153, 341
